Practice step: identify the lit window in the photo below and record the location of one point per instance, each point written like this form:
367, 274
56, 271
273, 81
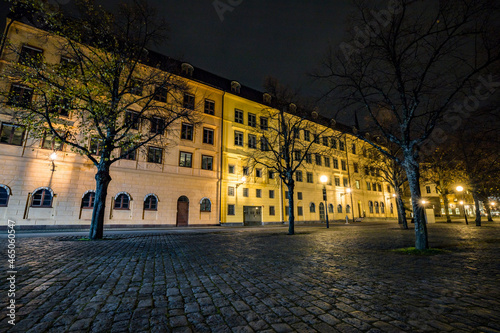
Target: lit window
42, 198
122, 201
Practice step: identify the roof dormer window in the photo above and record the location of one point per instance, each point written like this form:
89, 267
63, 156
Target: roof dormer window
235, 87
187, 69
266, 98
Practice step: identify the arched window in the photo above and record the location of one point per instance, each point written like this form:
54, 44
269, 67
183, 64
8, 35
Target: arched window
330, 208
312, 207
88, 200
382, 207
4, 195
376, 207
347, 209
151, 202
42, 198
205, 205
370, 206
339, 208
122, 201
392, 209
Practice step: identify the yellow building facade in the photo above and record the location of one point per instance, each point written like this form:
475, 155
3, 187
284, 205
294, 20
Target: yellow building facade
218, 186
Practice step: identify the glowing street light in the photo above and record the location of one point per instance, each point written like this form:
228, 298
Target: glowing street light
52, 158
460, 189
324, 179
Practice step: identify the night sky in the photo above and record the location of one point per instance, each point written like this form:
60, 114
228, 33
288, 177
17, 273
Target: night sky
286, 39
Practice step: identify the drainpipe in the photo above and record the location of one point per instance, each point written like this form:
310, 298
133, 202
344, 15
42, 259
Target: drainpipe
349, 175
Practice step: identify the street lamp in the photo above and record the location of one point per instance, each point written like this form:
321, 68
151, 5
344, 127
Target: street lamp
324, 179
460, 189
52, 158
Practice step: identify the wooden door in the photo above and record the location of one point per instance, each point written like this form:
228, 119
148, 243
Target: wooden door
182, 211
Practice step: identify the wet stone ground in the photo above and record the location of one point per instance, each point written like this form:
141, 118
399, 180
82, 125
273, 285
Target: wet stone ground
342, 279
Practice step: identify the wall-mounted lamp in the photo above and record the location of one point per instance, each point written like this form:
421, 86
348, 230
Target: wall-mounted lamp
52, 158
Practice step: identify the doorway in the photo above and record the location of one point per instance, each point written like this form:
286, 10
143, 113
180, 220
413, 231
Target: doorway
252, 215
182, 211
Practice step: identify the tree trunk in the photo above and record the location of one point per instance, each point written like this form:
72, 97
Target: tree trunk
291, 217
488, 213
446, 206
400, 206
478, 212
413, 173
102, 179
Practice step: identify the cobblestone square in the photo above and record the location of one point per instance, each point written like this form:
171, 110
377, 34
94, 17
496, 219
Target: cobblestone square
342, 279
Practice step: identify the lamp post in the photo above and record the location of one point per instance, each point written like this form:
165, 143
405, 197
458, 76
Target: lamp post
324, 179
460, 189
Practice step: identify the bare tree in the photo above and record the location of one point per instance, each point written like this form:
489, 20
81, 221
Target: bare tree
115, 90
291, 136
409, 64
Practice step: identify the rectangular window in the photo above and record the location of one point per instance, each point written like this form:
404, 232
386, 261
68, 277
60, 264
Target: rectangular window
132, 119
346, 182
325, 141
286, 195
245, 192
12, 134
271, 194
238, 116
252, 120
20, 96
258, 193
356, 168
238, 138
334, 143
230, 168
258, 173
208, 136
230, 191
335, 163
50, 141
299, 195
367, 171
230, 209
296, 133
298, 176
296, 155
135, 84
344, 165
368, 186
252, 141
155, 154
354, 148
309, 176
374, 186
263, 123
209, 107
308, 158
264, 145
428, 189
207, 162
271, 174
318, 159
187, 132
287, 210
60, 106
271, 211
131, 155
357, 184
245, 171
389, 188
161, 94
327, 162
300, 211
337, 181
30, 56
157, 125
341, 145
185, 159
316, 138
188, 101
307, 135
379, 187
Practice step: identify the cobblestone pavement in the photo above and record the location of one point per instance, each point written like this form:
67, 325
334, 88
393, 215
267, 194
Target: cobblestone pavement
342, 279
